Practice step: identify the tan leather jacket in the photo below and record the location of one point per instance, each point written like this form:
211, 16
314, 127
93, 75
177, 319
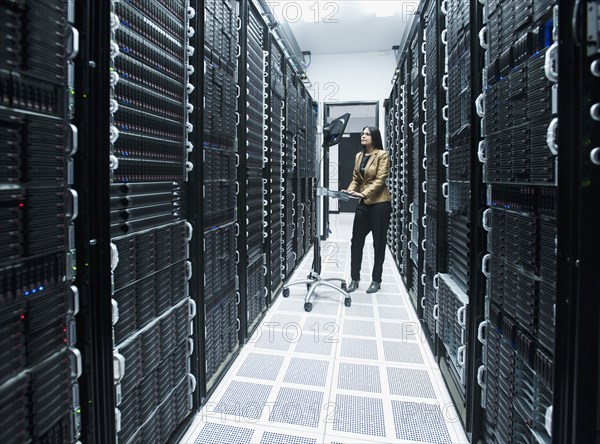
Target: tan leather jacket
372, 185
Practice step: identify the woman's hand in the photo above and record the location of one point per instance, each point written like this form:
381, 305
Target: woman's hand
354, 193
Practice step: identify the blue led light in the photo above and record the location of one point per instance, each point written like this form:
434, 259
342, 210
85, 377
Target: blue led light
34, 290
41, 289
26, 293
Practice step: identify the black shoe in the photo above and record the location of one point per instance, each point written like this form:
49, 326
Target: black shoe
352, 287
374, 287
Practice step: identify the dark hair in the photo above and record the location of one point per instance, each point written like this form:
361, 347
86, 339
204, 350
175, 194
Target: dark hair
375, 137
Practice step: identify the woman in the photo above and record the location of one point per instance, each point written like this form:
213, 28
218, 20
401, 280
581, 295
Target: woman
371, 168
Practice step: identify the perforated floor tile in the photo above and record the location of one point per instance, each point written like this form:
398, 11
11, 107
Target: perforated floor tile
410, 382
326, 307
280, 438
359, 377
358, 310
307, 372
384, 298
315, 344
298, 407
261, 366
244, 399
394, 313
321, 324
405, 331
420, 422
358, 328
283, 320
270, 339
407, 352
213, 433
359, 414
359, 348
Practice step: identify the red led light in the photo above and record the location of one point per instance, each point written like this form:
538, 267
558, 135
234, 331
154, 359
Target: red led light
22, 317
21, 205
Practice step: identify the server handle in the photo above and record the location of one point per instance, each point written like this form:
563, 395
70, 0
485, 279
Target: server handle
444, 7
485, 263
444, 37
445, 113
73, 43
446, 159
445, 189
550, 61
423, 47
423, 247
192, 308
460, 355
424, 221
118, 366
436, 312
479, 104
436, 281
424, 186
481, 151
551, 136
461, 316
76, 363
483, 37
480, 376
423, 279
485, 220
192, 382
482, 331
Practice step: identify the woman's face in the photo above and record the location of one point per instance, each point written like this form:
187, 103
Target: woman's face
365, 137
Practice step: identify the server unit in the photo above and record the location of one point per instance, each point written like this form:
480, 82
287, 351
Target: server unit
41, 364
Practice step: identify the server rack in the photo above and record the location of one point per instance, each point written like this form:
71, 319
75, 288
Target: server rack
436, 112
149, 140
41, 363
275, 104
290, 184
438, 248
576, 414
218, 215
251, 133
518, 151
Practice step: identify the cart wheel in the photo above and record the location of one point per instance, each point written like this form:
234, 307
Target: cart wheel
286, 292
343, 286
308, 306
348, 301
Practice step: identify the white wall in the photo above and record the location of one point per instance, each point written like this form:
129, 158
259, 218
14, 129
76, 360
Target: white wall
350, 77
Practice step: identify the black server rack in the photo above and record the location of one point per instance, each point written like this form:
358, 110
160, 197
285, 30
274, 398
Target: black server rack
416, 131
253, 205
576, 413
435, 49
275, 104
406, 183
518, 151
218, 213
41, 364
289, 173
149, 134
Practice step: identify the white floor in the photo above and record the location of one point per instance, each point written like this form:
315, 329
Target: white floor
359, 374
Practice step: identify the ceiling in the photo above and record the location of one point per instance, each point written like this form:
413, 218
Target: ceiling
345, 26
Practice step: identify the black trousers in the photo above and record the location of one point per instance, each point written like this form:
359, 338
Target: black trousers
367, 218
